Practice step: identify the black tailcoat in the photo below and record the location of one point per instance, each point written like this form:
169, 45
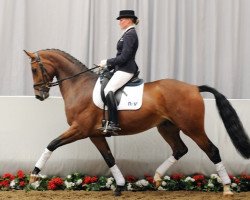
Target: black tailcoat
126, 50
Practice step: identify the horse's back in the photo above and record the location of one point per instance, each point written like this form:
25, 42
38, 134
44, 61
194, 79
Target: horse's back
172, 86
173, 94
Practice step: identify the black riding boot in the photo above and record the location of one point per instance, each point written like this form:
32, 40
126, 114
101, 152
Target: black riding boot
112, 112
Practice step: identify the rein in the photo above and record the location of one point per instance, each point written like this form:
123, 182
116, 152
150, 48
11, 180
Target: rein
46, 83
51, 84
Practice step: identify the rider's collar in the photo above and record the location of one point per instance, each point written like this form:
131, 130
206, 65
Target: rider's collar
124, 31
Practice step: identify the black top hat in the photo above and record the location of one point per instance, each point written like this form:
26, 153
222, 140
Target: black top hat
127, 14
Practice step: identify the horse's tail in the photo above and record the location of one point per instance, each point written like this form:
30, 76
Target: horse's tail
231, 121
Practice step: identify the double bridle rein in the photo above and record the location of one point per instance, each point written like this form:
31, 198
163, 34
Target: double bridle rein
46, 83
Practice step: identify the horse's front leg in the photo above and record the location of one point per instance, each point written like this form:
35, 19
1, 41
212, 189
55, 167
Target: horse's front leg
71, 135
102, 145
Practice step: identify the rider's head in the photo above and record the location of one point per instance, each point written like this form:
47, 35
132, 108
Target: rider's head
127, 18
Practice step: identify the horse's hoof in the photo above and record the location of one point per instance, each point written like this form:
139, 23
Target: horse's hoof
227, 192
157, 183
117, 193
157, 180
33, 178
118, 190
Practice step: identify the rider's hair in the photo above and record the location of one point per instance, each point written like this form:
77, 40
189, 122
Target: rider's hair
135, 21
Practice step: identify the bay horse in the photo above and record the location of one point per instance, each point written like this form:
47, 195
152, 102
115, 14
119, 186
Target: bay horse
170, 105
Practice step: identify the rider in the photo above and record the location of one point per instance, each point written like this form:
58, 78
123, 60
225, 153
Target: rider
123, 64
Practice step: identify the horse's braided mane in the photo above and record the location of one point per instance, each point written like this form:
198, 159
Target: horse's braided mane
69, 57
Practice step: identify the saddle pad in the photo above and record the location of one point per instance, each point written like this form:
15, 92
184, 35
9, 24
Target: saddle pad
131, 98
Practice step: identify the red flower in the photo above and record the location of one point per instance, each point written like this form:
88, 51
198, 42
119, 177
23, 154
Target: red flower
21, 183
8, 176
146, 175
94, 179
51, 186
237, 181
231, 176
54, 183
20, 174
87, 180
244, 176
177, 177
130, 179
58, 181
199, 184
199, 177
5, 183
149, 178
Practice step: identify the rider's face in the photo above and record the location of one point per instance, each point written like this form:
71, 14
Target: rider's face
125, 23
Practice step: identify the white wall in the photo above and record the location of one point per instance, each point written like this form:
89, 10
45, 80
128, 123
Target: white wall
28, 125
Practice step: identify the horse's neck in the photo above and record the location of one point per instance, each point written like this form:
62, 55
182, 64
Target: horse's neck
78, 90
64, 69
74, 88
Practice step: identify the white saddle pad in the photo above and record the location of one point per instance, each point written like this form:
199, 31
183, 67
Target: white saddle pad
131, 98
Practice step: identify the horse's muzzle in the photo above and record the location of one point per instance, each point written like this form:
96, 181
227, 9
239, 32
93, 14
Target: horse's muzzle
42, 96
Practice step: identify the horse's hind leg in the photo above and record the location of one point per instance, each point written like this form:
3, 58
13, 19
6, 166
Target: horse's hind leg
171, 135
102, 145
213, 153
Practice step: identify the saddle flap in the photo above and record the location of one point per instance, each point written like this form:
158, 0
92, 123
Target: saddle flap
128, 97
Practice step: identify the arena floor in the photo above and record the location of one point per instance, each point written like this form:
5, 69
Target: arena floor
148, 195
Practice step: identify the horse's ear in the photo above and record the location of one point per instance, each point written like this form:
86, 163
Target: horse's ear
31, 55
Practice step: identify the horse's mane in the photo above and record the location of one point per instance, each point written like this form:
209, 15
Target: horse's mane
69, 57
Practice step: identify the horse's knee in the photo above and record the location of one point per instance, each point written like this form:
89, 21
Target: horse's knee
180, 152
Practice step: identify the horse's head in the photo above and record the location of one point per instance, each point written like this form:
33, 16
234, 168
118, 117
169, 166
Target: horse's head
42, 73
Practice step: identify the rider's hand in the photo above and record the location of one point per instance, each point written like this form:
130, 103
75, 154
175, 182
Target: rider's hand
103, 63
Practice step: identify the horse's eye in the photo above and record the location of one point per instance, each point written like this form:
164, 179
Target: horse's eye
34, 70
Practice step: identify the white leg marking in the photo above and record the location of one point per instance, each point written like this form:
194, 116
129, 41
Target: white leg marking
43, 159
117, 175
162, 169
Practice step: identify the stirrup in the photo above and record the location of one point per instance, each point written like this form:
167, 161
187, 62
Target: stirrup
112, 127
104, 127
109, 128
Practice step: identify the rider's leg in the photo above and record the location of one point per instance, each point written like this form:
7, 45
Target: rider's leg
112, 111
118, 80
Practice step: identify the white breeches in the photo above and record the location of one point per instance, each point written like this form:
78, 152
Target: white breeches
118, 80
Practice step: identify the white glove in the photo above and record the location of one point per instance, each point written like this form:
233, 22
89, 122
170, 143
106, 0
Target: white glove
103, 63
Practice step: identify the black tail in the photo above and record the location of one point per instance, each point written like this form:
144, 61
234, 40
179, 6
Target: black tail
231, 122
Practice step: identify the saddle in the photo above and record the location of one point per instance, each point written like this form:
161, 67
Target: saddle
106, 75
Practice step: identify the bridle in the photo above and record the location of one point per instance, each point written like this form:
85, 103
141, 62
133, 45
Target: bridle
46, 83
